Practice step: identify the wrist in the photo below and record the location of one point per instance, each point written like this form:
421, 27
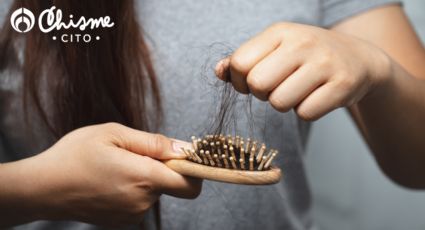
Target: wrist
25, 196
383, 86
380, 71
17, 193
47, 194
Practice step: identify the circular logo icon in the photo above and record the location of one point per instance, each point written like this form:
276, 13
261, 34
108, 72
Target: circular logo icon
22, 20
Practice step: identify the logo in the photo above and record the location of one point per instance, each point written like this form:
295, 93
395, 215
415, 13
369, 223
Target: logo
22, 20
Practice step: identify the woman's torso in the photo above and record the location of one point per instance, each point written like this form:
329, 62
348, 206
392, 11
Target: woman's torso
186, 37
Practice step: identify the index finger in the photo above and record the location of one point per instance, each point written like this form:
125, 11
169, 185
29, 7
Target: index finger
249, 54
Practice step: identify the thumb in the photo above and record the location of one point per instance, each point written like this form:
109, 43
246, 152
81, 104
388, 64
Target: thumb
156, 146
221, 69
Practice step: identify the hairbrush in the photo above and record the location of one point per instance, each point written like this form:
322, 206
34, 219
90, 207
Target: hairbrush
228, 159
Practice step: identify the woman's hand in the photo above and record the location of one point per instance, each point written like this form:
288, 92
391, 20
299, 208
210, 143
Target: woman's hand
310, 69
104, 174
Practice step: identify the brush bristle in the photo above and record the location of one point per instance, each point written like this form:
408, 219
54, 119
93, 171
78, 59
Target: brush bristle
230, 152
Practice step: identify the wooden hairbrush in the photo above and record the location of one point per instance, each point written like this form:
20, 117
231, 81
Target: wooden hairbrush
228, 159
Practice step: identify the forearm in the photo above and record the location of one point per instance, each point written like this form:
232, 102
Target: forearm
391, 118
21, 199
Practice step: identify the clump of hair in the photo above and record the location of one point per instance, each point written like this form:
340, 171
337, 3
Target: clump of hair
229, 105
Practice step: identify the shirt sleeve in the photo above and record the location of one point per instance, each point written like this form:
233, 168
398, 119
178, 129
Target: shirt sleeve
334, 11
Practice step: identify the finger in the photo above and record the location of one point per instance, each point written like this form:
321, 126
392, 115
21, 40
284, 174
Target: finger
271, 71
157, 177
222, 69
320, 102
153, 145
295, 88
171, 183
249, 54
238, 80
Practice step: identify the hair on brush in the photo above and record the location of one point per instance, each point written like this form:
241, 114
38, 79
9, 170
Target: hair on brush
230, 158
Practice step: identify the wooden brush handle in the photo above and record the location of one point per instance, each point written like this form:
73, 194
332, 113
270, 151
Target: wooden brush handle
188, 168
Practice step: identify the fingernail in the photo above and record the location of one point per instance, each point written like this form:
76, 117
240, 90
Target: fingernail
221, 67
179, 145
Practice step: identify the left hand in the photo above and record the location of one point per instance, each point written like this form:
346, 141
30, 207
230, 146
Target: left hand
310, 69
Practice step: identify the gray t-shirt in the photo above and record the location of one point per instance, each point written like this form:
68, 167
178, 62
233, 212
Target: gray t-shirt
182, 34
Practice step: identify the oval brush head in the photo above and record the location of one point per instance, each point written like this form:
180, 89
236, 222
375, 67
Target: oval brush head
228, 159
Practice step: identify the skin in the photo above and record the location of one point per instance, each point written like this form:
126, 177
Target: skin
373, 64
105, 174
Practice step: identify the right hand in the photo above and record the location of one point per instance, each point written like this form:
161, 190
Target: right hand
108, 175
